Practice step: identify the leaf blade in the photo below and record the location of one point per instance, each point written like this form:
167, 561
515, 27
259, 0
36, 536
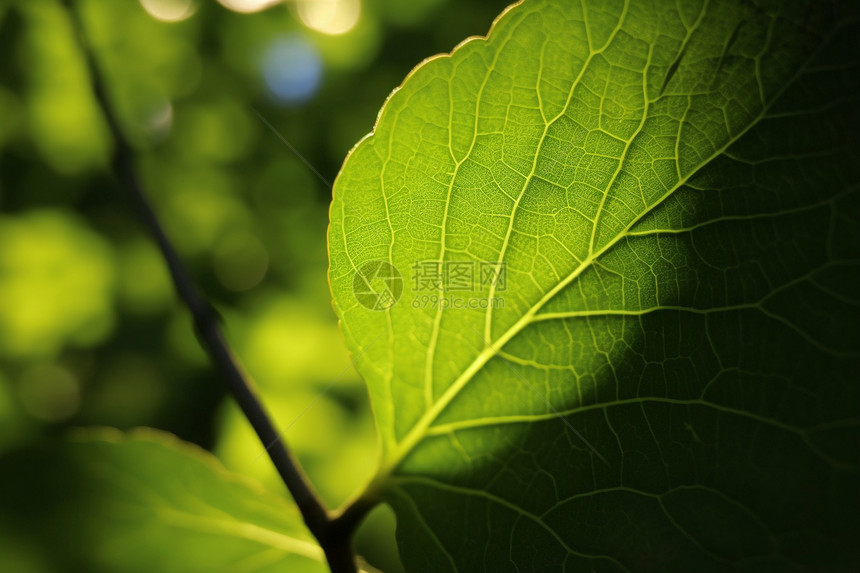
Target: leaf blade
146, 501
647, 242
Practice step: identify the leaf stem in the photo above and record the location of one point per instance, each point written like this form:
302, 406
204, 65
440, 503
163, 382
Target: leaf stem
334, 533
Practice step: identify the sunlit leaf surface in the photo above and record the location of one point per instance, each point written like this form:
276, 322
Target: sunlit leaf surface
670, 381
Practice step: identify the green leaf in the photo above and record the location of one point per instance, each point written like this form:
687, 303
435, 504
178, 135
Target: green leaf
143, 502
672, 381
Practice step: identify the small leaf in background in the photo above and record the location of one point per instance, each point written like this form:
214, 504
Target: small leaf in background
143, 501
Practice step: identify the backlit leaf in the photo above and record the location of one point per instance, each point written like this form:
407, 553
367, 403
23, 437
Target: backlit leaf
144, 502
667, 380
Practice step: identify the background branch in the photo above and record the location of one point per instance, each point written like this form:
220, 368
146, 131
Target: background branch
335, 541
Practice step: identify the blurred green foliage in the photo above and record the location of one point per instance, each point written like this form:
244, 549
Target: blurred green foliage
90, 330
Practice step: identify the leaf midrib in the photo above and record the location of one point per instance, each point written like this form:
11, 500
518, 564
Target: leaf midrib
234, 527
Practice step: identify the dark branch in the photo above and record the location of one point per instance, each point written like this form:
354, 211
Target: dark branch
335, 541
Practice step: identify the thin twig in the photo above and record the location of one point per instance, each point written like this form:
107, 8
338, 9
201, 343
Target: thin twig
335, 541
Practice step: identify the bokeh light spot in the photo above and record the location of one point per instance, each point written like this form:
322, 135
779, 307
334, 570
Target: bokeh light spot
292, 68
241, 261
11, 111
56, 284
130, 391
248, 6
49, 392
170, 10
160, 120
329, 16
144, 283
